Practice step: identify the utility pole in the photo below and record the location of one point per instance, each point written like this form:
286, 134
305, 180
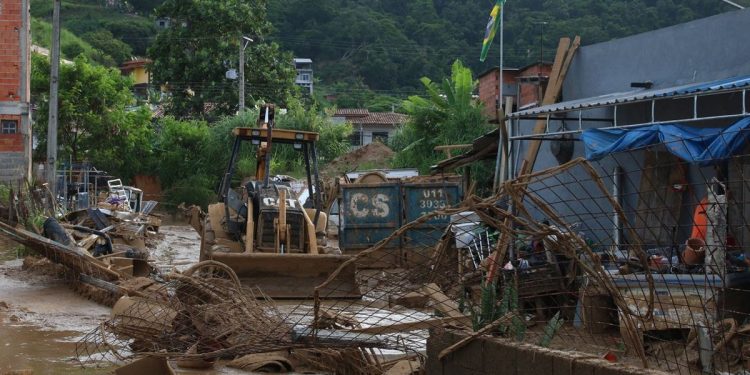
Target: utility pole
244, 41
51, 167
738, 6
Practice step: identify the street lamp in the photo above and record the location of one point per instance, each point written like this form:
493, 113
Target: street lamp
244, 42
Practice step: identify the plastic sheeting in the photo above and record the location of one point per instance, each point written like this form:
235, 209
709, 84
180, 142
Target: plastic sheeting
702, 146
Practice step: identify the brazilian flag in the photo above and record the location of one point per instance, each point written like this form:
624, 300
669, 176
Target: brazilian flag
492, 25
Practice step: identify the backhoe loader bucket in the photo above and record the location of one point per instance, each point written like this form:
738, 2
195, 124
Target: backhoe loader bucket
292, 276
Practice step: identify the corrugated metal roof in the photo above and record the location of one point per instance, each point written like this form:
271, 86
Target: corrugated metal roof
637, 95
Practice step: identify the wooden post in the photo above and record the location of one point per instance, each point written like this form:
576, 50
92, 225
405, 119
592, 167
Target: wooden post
563, 59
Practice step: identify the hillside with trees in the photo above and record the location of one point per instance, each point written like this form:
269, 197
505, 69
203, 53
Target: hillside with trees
373, 53
366, 50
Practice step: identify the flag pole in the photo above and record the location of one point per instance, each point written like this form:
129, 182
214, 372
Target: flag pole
500, 173
500, 80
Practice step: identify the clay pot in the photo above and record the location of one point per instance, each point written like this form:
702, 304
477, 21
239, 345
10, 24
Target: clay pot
695, 251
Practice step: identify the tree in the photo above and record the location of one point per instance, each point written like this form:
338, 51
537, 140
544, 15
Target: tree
448, 115
106, 42
96, 122
192, 56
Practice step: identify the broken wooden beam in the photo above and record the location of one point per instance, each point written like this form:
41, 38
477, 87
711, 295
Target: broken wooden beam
445, 305
409, 326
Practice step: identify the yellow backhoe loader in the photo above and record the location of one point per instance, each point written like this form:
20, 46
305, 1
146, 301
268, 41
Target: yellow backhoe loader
262, 232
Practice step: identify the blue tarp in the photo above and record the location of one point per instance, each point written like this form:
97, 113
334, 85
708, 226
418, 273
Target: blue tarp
702, 146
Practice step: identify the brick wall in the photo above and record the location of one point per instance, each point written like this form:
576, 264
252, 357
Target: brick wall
488, 89
528, 85
15, 147
10, 52
493, 356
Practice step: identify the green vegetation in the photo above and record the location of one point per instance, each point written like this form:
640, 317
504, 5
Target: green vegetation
366, 54
448, 115
382, 47
371, 54
193, 55
96, 120
190, 156
91, 16
70, 45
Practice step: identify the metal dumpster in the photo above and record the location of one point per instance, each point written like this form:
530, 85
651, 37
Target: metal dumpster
370, 213
419, 200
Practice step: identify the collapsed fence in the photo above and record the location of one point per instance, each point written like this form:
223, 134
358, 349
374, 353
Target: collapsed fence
602, 258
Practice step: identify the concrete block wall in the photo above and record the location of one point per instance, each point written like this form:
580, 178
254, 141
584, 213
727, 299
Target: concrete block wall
494, 356
13, 164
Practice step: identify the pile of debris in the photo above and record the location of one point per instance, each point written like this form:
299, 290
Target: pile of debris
204, 315
102, 246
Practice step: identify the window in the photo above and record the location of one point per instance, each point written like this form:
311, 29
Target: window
356, 138
305, 77
9, 126
380, 136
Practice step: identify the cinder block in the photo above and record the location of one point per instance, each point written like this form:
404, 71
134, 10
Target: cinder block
562, 365
499, 357
583, 367
531, 361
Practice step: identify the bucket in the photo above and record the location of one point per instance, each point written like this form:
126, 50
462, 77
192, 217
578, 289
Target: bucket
695, 251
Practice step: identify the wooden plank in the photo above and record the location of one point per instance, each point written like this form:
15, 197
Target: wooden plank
445, 305
250, 228
410, 326
563, 58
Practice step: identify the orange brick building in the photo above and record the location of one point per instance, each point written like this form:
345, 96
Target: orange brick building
15, 119
525, 86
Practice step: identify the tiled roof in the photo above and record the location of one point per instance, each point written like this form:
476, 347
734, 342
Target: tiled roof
135, 63
351, 112
381, 118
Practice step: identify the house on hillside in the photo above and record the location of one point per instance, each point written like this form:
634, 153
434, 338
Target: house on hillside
370, 126
304, 74
137, 69
15, 112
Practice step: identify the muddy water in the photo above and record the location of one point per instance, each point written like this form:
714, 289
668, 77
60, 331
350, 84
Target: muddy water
44, 317
179, 249
41, 318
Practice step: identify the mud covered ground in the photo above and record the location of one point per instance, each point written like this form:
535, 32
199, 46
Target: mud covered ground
41, 317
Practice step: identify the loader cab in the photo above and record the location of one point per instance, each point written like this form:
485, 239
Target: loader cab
264, 191
264, 234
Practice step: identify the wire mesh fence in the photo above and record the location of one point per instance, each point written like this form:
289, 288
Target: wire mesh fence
637, 258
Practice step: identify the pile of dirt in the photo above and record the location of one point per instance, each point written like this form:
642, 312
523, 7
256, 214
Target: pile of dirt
43, 267
372, 156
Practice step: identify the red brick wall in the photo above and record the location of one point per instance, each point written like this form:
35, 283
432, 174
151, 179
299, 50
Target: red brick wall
488, 90
11, 142
10, 55
488, 93
529, 90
